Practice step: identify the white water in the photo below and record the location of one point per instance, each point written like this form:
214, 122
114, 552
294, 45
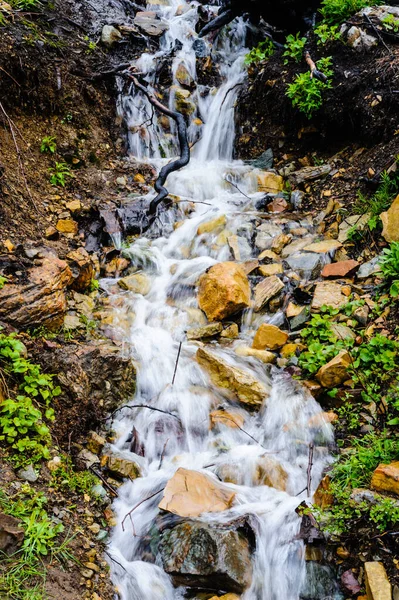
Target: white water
174, 265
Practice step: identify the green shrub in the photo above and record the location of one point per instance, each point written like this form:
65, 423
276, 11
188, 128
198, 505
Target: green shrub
326, 33
389, 265
48, 145
390, 23
262, 51
335, 12
294, 48
3, 281
306, 92
379, 202
65, 477
60, 173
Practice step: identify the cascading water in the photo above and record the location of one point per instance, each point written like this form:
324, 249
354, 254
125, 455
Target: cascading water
282, 428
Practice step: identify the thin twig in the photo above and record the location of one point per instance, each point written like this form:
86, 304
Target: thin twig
115, 561
133, 406
139, 504
105, 482
163, 454
310, 465
177, 362
374, 28
237, 188
227, 418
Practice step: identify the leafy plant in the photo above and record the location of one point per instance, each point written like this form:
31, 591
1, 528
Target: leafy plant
391, 23
23, 418
389, 266
294, 47
48, 145
3, 281
60, 173
306, 92
380, 201
94, 285
78, 481
335, 12
25, 5
326, 34
262, 51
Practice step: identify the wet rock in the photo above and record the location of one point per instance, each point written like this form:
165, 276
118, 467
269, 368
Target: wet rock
323, 496
200, 48
231, 332
298, 322
271, 473
386, 478
150, 23
87, 459
138, 283
82, 269
269, 270
269, 337
226, 418
280, 242
191, 494
323, 247
390, 221
215, 558
343, 268
183, 102
183, 76
266, 290
239, 247
68, 226
296, 246
377, 582
270, 182
212, 226
264, 161
308, 266
41, 301
240, 382
369, 268
110, 36
320, 583
309, 174
223, 291
28, 474
335, 372
11, 534
207, 331
121, 467
262, 355
95, 442
265, 234
328, 294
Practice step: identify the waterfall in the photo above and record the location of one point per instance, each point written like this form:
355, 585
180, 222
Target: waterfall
173, 264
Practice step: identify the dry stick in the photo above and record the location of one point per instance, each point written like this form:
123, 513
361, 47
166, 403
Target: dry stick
105, 482
228, 92
163, 454
177, 362
115, 561
310, 465
20, 163
133, 406
139, 504
314, 72
237, 188
243, 430
374, 28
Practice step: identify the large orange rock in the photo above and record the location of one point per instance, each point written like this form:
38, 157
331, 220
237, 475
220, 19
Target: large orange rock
269, 337
390, 221
386, 478
82, 269
190, 494
377, 582
40, 301
223, 290
335, 372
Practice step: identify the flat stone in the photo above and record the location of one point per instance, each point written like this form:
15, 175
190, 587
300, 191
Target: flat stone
308, 266
206, 331
231, 332
223, 291
323, 247
82, 269
121, 467
343, 268
249, 266
191, 494
328, 293
335, 372
226, 418
67, 226
266, 290
277, 205
386, 478
268, 254
323, 496
138, 283
183, 76
263, 355
342, 332
299, 321
358, 221
293, 310
95, 442
265, 234
212, 226
272, 269
377, 582
369, 268
270, 182
296, 246
269, 337
309, 174
150, 23
11, 534
244, 386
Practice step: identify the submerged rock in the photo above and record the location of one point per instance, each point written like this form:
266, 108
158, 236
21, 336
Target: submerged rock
262, 355
271, 473
223, 290
245, 387
215, 558
191, 494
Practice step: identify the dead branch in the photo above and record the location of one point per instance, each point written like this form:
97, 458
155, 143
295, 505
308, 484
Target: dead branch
314, 72
105, 482
177, 362
129, 514
309, 472
133, 406
163, 454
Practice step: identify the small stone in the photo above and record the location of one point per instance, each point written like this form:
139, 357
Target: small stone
289, 349
262, 355
265, 234
52, 233
88, 459
268, 254
207, 331
328, 294
74, 206
139, 178
266, 290
293, 310
212, 226
278, 205
369, 268
298, 322
280, 242
121, 467
323, 496
54, 464
28, 474
323, 247
269, 337
273, 269
269, 182
183, 76
342, 332
95, 442
87, 573
138, 283
353, 221
110, 35
308, 266
361, 314
94, 528
11, 534
9, 245
335, 372
343, 268
72, 322
231, 332
377, 582
271, 473
343, 553
67, 226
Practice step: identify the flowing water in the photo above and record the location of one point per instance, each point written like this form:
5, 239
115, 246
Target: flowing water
173, 262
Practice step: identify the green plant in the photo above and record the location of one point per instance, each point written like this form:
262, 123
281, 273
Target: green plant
25, 5
94, 285
89, 324
380, 201
48, 145
294, 47
389, 266
326, 33
78, 481
23, 418
334, 12
60, 173
3, 281
391, 23
91, 46
306, 92
262, 51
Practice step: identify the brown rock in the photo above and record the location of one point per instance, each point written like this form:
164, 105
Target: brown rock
323, 496
323, 247
138, 283
270, 472
289, 349
268, 254
270, 182
386, 478
390, 221
67, 226
278, 205
228, 419
249, 266
270, 337
223, 291
121, 467
82, 269
190, 494
262, 355
344, 268
329, 294
377, 582
240, 382
269, 270
11, 534
314, 387
207, 331
293, 310
266, 290
231, 332
212, 226
95, 442
40, 301
280, 242
335, 372
52, 233
74, 206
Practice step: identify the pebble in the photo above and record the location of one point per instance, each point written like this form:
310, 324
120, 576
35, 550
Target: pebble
28, 474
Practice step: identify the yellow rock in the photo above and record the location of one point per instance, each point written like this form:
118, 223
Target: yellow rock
273, 269
67, 226
386, 478
288, 350
9, 245
263, 355
323, 496
74, 206
139, 178
228, 419
335, 372
280, 242
137, 283
223, 291
231, 332
226, 597
270, 472
270, 182
190, 494
323, 247
247, 389
390, 221
213, 225
377, 582
270, 337
266, 290
268, 254
293, 310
